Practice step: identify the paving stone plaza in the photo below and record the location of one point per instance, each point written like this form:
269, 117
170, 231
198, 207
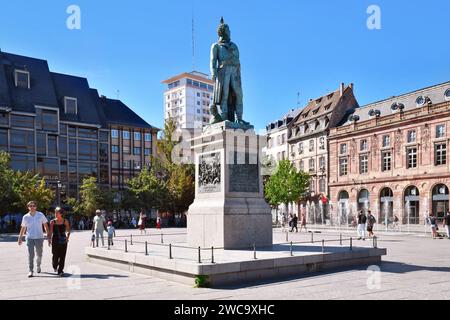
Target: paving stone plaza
416, 267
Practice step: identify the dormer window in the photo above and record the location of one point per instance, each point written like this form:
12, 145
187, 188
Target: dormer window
70, 105
420, 101
22, 79
447, 95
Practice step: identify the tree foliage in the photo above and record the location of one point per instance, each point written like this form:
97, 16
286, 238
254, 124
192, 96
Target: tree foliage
168, 186
287, 185
18, 188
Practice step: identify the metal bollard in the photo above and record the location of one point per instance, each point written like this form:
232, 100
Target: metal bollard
212, 255
199, 255
170, 252
131, 240
287, 236
351, 244
146, 248
312, 237
254, 251
323, 246
126, 247
292, 251
340, 239
375, 242
162, 238
108, 245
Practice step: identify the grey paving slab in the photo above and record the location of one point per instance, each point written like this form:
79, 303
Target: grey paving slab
415, 268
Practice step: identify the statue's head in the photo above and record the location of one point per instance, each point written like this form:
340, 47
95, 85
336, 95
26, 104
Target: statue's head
224, 31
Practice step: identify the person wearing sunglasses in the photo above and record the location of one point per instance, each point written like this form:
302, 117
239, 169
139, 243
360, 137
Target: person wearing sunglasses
32, 224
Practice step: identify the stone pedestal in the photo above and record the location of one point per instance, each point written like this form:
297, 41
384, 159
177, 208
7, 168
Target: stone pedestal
229, 210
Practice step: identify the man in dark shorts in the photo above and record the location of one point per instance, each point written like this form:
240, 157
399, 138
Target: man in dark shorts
370, 222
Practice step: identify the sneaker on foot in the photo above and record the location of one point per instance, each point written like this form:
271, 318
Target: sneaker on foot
30, 274
39, 270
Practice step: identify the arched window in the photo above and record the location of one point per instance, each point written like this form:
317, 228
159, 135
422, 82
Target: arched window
412, 206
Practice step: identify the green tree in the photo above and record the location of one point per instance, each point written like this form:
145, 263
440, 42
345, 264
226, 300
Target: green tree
167, 142
90, 197
181, 188
287, 185
31, 187
8, 196
148, 190
17, 188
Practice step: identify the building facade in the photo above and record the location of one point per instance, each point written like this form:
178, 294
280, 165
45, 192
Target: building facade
309, 149
391, 157
187, 101
277, 148
56, 125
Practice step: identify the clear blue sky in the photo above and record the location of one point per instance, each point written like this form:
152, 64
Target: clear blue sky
286, 47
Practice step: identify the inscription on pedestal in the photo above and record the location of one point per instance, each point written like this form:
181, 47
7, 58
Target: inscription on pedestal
209, 173
244, 174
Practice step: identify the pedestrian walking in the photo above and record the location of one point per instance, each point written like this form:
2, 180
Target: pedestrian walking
434, 225
303, 223
111, 233
141, 223
98, 227
370, 223
81, 224
294, 224
447, 223
133, 222
32, 224
158, 223
362, 219
59, 235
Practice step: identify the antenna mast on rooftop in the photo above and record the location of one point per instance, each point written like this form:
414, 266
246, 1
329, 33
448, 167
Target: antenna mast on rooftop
193, 36
298, 99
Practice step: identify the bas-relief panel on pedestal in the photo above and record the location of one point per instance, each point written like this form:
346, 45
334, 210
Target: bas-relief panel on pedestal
210, 173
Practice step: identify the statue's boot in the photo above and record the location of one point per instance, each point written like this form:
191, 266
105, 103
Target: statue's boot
216, 116
242, 122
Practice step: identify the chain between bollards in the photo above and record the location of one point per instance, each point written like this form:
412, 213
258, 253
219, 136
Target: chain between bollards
212, 255
146, 248
170, 252
126, 245
351, 244
199, 255
254, 251
292, 251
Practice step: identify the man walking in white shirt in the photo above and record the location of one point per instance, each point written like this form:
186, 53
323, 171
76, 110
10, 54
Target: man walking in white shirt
32, 224
99, 226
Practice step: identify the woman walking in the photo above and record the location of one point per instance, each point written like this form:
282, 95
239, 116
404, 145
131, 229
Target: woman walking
59, 234
303, 222
141, 222
434, 225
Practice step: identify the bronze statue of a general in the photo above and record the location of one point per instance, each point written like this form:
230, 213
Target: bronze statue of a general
226, 73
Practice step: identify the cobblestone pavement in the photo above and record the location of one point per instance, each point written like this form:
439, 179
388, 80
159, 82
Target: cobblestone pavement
415, 268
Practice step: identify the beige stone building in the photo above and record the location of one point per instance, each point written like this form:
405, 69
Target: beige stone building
308, 145
391, 157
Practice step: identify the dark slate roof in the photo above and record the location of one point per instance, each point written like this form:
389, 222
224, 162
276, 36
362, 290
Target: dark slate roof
117, 113
49, 89
41, 91
76, 87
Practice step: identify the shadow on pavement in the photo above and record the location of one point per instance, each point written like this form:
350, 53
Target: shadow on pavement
9, 237
98, 276
398, 267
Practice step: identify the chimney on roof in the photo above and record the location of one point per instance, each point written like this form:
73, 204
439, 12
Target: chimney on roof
342, 88
103, 97
352, 86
